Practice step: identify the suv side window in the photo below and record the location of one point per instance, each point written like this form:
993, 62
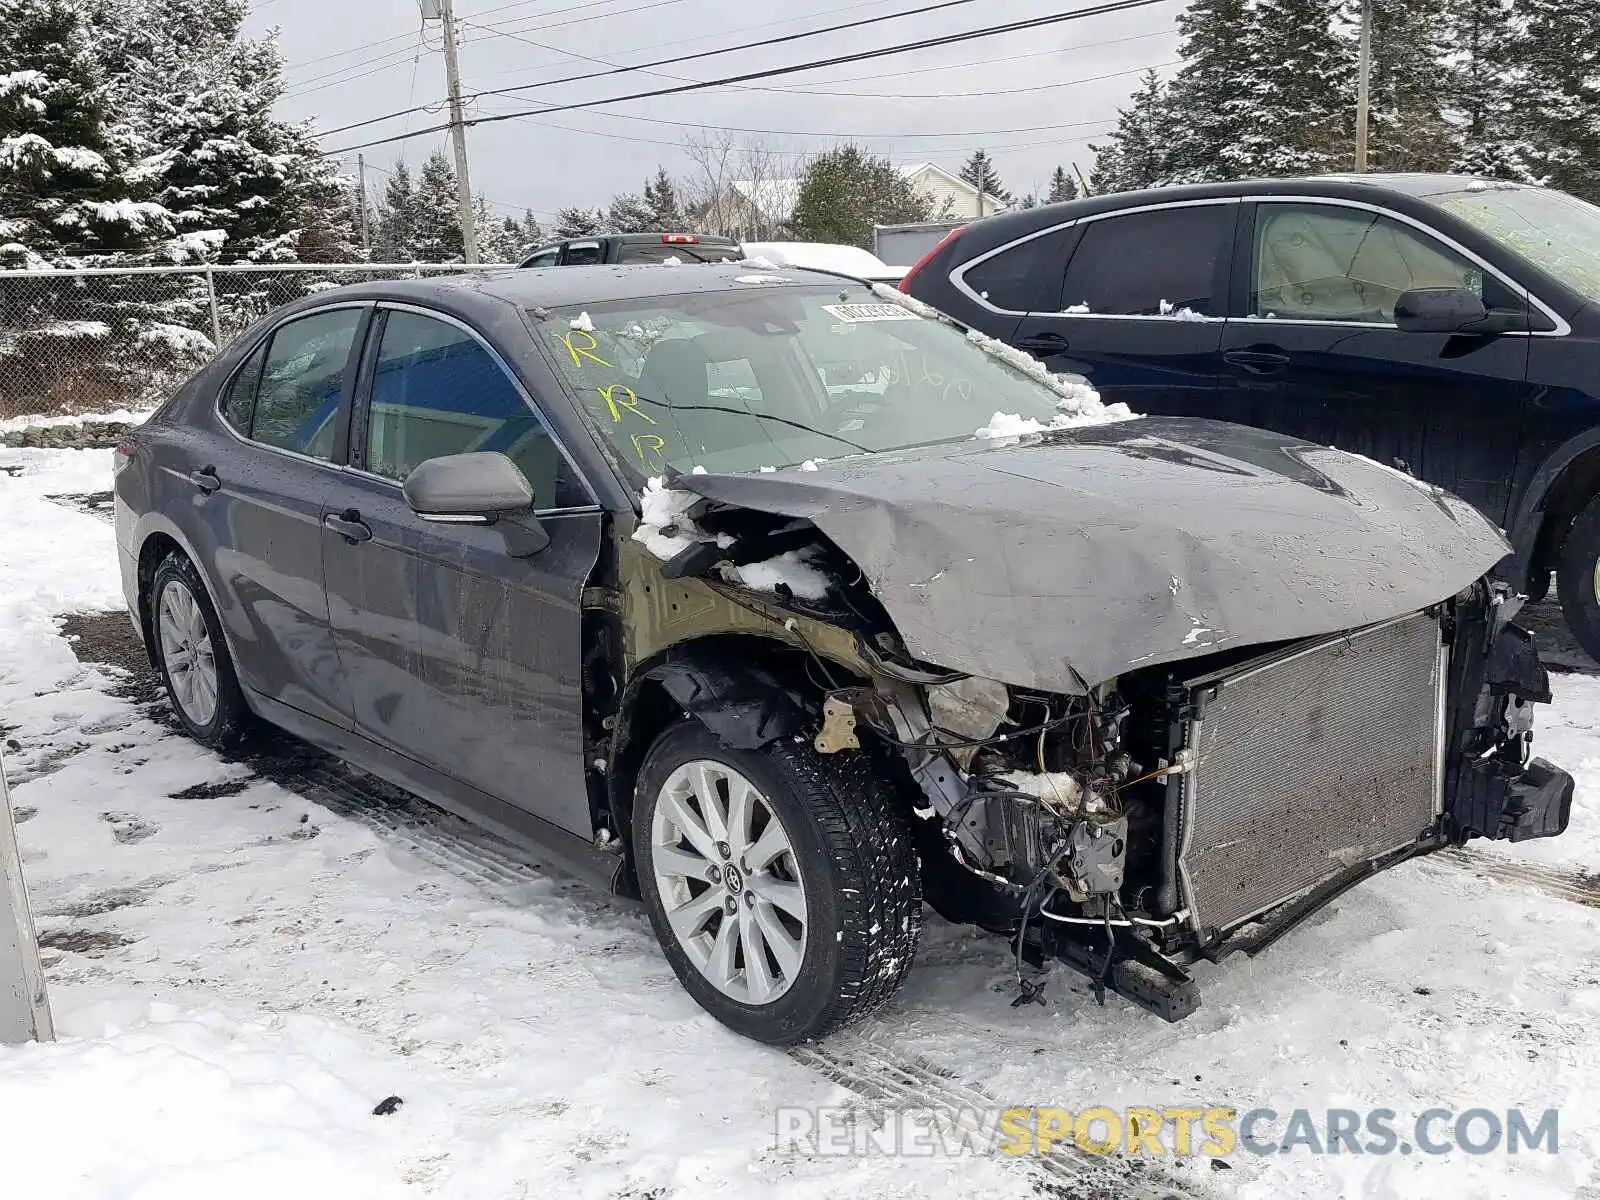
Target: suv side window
1151, 264
1027, 277
1329, 263
436, 390
544, 258
302, 382
238, 406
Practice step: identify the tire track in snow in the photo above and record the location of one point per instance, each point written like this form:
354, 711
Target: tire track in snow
857, 1061
1561, 883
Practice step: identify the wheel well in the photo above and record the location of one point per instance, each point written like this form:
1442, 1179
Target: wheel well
1573, 489
760, 687
152, 554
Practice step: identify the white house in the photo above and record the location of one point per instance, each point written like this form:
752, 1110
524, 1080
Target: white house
769, 203
943, 187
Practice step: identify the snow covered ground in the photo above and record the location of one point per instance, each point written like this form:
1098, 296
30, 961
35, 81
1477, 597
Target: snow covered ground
247, 957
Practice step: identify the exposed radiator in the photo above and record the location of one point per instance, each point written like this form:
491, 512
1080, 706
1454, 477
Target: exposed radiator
1308, 762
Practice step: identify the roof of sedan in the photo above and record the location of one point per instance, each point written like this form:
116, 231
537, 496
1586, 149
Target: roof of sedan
556, 287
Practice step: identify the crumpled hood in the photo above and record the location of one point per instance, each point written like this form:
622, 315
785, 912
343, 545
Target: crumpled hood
1090, 552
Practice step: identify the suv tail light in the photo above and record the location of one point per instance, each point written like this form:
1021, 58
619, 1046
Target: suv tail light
905, 284
680, 239
121, 456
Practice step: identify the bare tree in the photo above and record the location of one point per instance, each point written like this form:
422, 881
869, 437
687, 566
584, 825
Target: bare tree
742, 188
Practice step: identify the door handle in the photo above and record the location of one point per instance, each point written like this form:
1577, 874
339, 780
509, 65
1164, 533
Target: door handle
1042, 343
349, 526
1257, 362
205, 479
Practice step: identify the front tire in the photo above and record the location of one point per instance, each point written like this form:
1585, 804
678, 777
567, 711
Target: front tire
781, 883
191, 656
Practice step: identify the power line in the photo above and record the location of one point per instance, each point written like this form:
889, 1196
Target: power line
656, 45
814, 64
626, 12
957, 139
400, 37
814, 91
667, 62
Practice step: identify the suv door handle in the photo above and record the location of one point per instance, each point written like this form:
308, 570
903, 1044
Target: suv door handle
349, 526
1042, 343
1257, 362
205, 479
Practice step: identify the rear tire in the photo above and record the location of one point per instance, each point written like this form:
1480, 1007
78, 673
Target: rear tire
839, 942
189, 652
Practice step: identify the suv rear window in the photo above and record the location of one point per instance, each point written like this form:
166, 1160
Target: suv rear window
660, 252
1150, 264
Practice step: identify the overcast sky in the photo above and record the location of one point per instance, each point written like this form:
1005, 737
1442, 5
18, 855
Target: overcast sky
1051, 91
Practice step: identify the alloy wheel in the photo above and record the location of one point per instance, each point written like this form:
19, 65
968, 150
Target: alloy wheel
725, 870
187, 653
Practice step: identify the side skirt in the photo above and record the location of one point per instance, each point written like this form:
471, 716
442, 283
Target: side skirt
550, 843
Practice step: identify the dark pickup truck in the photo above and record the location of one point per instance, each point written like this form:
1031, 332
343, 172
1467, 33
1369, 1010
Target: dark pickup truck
635, 248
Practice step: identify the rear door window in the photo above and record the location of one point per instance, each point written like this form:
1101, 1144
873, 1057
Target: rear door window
1025, 278
1159, 263
436, 390
302, 382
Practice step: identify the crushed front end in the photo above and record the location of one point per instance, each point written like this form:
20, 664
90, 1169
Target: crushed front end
1206, 806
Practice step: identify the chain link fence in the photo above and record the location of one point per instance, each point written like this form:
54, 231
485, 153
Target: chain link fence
99, 340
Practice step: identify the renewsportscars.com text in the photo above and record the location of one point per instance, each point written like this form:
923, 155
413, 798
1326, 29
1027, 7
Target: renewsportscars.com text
1167, 1130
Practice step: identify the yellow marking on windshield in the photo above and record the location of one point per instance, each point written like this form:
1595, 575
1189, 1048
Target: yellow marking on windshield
656, 446
629, 401
580, 352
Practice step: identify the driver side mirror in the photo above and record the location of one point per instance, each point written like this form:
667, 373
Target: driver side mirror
1441, 310
478, 489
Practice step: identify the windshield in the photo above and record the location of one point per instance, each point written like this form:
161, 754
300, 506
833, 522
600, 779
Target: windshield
770, 376
1556, 232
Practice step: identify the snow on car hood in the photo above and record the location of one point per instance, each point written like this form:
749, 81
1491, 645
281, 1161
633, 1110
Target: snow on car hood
1092, 551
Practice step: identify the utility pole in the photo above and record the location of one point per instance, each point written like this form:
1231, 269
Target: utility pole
443, 10
1363, 85
24, 1008
366, 234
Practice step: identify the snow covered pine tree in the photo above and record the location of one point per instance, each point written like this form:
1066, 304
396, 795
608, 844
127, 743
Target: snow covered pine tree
76, 191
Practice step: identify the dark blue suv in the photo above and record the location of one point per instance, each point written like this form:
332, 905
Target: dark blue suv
1446, 324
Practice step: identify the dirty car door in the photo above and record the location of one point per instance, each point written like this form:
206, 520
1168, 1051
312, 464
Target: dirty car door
459, 655
258, 506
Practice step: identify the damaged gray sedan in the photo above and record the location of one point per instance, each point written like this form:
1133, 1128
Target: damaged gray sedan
789, 606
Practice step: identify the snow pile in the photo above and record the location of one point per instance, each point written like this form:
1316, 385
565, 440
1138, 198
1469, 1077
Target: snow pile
894, 295
582, 322
179, 341
1185, 313
667, 530
1076, 309
196, 246
1003, 425
190, 1104
757, 262
817, 256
